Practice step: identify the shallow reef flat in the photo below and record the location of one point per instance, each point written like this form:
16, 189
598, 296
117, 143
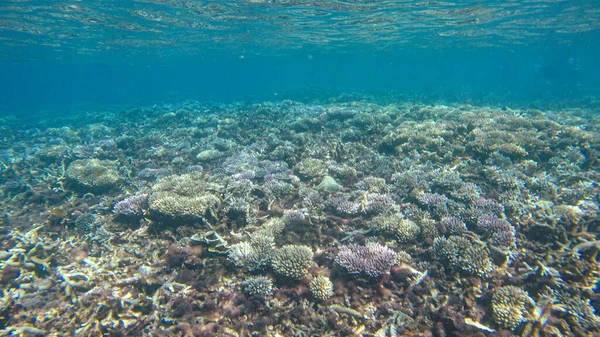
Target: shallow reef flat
290, 219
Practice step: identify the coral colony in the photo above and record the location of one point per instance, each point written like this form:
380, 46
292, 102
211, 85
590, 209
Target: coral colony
287, 219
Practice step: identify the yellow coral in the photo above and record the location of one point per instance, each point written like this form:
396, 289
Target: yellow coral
510, 306
321, 288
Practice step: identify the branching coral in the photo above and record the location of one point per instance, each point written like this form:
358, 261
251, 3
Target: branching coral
292, 261
402, 229
257, 286
321, 287
372, 260
510, 306
185, 196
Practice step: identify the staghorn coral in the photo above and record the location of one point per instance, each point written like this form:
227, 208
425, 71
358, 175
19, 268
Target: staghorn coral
578, 308
311, 199
294, 218
292, 261
372, 184
341, 205
445, 251
463, 254
372, 260
437, 204
85, 223
154, 173
501, 233
277, 189
342, 171
273, 227
403, 183
321, 287
373, 203
481, 207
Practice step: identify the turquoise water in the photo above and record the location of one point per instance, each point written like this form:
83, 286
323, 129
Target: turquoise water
58, 55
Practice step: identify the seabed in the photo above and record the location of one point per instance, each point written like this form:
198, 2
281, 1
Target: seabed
292, 219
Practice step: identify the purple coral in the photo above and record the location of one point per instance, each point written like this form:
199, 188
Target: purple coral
372, 260
342, 206
494, 224
245, 175
453, 225
154, 172
131, 206
502, 232
376, 204
503, 239
487, 206
294, 217
433, 199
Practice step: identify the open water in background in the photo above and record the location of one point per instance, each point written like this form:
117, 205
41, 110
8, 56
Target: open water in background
64, 57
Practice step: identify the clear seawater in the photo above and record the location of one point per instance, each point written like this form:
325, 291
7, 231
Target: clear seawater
56, 56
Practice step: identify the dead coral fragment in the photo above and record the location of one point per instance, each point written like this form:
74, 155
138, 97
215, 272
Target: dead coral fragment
510, 306
292, 261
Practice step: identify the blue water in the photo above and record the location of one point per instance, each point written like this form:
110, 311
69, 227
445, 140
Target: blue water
59, 66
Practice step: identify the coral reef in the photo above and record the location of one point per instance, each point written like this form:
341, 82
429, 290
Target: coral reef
372, 260
133, 205
398, 226
182, 196
510, 306
292, 261
339, 218
93, 174
257, 286
328, 184
321, 288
